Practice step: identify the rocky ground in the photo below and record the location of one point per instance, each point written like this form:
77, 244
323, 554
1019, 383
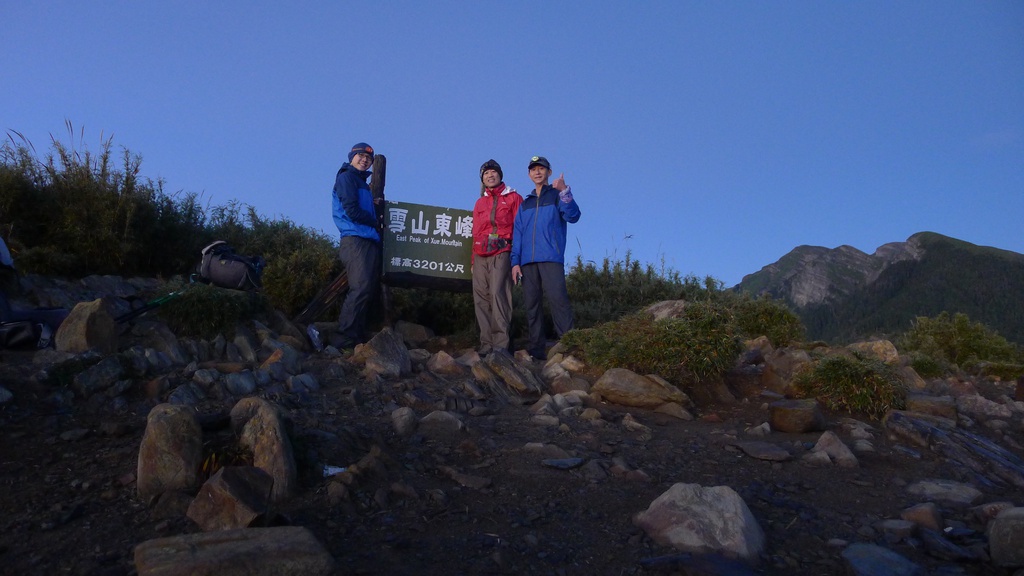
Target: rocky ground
482, 501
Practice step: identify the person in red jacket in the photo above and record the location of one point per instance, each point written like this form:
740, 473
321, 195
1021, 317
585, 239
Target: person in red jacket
493, 215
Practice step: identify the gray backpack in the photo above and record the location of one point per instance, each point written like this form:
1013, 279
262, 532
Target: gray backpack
221, 267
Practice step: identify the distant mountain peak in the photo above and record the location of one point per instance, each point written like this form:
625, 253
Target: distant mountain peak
924, 275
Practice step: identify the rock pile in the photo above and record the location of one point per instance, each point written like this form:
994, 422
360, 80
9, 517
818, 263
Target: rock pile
250, 381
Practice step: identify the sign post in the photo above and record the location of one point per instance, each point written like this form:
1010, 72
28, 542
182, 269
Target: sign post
427, 246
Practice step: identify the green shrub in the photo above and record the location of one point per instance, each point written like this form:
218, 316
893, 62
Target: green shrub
771, 318
699, 345
853, 384
956, 341
448, 313
205, 311
620, 288
1006, 371
927, 366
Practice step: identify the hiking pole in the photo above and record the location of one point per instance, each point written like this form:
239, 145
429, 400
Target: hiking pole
325, 299
151, 305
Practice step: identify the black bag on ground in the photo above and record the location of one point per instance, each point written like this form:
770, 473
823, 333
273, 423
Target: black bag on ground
24, 335
221, 267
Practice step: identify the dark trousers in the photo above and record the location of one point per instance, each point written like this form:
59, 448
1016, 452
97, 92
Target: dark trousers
547, 278
361, 258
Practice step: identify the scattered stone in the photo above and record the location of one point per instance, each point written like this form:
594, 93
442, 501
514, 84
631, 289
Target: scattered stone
234, 497
796, 416
763, 429
895, 530
440, 424
988, 512
302, 383
816, 458
99, 377
1006, 538
942, 406
465, 480
624, 387
563, 463
171, 451
939, 546
764, 451
945, 491
674, 410
404, 421
385, 355
519, 380
692, 518
926, 515
279, 551
443, 363
630, 423
981, 408
240, 383
414, 335
830, 444
878, 349
548, 451
872, 560
261, 430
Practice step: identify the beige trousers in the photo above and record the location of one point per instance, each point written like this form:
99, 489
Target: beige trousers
492, 298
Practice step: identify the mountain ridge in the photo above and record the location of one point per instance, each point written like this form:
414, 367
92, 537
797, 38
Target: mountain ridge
843, 293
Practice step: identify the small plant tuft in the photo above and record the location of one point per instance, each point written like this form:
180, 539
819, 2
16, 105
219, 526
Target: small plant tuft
205, 311
699, 345
853, 384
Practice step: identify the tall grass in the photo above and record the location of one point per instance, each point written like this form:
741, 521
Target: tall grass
75, 212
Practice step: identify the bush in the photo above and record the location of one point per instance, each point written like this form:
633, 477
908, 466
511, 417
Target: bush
853, 384
955, 341
446, 313
770, 318
927, 366
699, 345
205, 311
619, 288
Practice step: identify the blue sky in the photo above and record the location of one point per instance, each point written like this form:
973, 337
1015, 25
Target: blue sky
712, 136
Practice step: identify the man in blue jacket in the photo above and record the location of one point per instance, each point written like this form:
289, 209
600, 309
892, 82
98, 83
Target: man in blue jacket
360, 249
538, 252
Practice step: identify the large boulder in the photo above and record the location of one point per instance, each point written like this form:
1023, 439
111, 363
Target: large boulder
260, 428
878, 349
627, 388
780, 366
385, 355
89, 326
171, 452
692, 518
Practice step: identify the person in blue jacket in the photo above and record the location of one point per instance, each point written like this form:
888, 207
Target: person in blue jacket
538, 252
360, 249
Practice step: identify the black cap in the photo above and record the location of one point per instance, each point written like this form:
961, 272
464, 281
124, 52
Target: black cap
491, 165
539, 160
